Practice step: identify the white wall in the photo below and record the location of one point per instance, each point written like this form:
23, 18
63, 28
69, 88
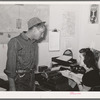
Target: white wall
89, 33
56, 21
10, 12
85, 33
8, 16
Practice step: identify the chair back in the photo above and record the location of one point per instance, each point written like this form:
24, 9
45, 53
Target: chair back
96, 88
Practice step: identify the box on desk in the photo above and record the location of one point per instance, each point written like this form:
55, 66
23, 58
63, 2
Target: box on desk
63, 60
67, 62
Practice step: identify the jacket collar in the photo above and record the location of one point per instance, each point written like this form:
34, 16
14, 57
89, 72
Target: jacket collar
25, 37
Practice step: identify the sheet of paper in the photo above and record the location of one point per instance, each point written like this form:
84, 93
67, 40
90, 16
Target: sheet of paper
70, 74
55, 68
54, 41
77, 75
64, 58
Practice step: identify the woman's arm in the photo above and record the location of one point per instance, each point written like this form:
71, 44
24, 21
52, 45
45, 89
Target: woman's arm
80, 86
83, 87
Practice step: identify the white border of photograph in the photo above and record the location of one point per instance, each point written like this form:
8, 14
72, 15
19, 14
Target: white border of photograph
48, 94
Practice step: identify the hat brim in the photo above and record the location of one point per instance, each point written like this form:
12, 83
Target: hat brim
38, 23
41, 23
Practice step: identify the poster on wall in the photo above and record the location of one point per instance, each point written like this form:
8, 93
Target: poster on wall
54, 41
94, 13
68, 24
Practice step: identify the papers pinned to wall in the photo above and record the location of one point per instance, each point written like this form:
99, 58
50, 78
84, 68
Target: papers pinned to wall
54, 40
68, 24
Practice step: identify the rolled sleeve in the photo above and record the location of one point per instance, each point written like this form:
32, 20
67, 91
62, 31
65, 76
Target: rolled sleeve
11, 59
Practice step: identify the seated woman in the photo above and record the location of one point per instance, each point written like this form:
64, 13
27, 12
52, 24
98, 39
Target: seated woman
91, 77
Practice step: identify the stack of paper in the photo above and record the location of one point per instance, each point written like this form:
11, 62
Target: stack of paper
64, 58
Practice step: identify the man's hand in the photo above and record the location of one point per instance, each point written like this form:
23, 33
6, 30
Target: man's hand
11, 84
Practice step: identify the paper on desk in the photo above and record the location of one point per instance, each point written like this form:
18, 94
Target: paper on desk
65, 73
55, 68
71, 83
71, 75
77, 75
64, 58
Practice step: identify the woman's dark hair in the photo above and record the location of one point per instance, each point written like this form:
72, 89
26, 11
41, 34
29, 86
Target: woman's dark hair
89, 58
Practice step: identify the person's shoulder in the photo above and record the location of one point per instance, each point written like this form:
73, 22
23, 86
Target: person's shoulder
92, 72
13, 39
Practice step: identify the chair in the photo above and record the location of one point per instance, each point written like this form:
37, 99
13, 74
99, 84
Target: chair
96, 88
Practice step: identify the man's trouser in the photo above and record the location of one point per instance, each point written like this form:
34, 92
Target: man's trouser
25, 80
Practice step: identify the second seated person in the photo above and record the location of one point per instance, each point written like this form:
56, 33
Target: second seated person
91, 78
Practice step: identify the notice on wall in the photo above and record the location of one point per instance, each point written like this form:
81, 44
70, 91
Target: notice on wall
68, 24
54, 41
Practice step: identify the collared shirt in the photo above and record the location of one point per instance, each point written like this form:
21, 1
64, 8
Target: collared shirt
22, 54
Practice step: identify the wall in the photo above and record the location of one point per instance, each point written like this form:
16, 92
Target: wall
10, 12
8, 16
89, 33
56, 21
84, 34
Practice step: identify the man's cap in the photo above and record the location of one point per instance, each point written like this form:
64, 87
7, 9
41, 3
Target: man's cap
34, 21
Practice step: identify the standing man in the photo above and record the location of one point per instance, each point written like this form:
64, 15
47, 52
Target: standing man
22, 57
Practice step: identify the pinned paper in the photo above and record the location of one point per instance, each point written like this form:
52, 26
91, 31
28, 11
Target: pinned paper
54, 40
